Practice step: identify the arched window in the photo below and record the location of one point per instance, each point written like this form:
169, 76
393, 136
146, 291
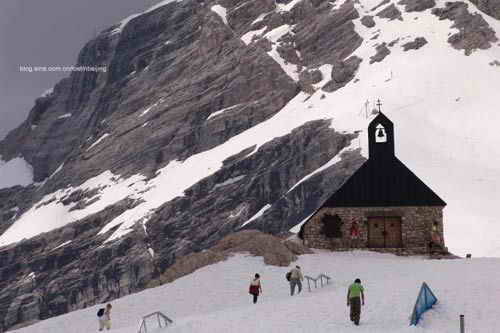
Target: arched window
380, 134
332, 226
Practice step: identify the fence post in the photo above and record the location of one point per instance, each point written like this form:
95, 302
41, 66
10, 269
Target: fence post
159, 321
462, 324
315, 280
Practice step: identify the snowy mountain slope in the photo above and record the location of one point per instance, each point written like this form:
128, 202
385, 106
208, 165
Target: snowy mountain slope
215, 116
392, 283
446, 104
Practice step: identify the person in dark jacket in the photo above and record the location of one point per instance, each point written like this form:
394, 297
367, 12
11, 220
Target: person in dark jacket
355, 298
105, 318
255, 288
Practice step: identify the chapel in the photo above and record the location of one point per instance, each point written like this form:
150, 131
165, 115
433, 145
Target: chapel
383, 206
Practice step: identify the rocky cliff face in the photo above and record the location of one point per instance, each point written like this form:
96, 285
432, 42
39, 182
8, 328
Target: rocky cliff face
189, 89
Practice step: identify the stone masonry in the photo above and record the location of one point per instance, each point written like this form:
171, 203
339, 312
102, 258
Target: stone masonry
416, 225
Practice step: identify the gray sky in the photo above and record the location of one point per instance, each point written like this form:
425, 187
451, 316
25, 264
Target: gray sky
47, 33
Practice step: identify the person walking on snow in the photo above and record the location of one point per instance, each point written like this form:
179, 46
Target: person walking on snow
255, 288
104, 316
296, 279
354, 301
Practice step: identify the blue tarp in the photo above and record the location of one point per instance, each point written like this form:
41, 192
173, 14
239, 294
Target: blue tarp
425, 301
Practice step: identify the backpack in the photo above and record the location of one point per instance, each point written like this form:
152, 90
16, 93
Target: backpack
288, 276
100, 313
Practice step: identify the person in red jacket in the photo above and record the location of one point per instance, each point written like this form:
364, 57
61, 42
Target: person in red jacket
354, 234
255, 288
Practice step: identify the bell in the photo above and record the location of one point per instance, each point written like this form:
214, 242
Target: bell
380, 133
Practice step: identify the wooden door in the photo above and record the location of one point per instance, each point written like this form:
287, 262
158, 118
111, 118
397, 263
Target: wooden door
393, 232
376, 230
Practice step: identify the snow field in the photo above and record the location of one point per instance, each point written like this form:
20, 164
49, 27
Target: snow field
215, 298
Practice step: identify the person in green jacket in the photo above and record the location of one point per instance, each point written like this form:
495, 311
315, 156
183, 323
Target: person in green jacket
355, 298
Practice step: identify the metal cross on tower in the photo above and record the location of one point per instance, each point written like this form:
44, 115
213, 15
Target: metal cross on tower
379, 104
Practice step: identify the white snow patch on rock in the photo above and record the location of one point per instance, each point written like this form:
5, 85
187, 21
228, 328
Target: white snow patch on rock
248, 37
149, 108
273, 36
326, 75
260, 18
296, 228
143, 113
47, 92
287, 7
64, 116
257, 215
57, 170
62, 245
30, 277
222, 12
104, 136
125, 21
217, 113
229, 181
54, 214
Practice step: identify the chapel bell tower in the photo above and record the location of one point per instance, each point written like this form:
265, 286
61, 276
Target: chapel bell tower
381, 136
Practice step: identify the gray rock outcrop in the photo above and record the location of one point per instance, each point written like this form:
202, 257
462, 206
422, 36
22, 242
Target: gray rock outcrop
415, 44
490, 7
368, 21
382, 52
475, 33
274, 250
390, 12
342, 73
417, 5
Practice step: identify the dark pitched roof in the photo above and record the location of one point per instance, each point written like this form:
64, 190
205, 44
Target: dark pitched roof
383, 180
381, 183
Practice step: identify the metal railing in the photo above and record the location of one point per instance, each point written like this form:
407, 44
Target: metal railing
160, 316
315, 280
